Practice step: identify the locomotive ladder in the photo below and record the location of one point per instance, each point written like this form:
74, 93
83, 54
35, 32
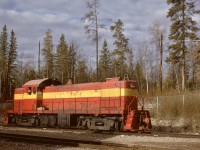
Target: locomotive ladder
129, 118
129, 121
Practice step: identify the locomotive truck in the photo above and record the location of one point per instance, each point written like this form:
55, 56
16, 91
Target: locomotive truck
109, 105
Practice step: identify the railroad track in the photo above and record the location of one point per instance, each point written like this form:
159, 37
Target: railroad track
177, 135
165, 134
63, 138
154, 134
60, 141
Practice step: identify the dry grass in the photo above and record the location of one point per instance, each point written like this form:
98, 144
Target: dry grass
172, 109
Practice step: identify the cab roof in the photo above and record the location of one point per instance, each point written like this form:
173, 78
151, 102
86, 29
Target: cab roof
45, 81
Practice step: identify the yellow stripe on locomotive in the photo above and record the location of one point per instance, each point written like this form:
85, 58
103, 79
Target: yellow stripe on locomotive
115, 92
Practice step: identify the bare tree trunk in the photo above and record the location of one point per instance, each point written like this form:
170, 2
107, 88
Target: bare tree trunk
146, 76
147, 83
158, 33
161, 56
92, 29
139, 83
97, 45
39, 61
183, 77
183, 48
177, 81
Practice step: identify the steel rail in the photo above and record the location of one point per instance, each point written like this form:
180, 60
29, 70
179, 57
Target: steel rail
57, 141
153, 133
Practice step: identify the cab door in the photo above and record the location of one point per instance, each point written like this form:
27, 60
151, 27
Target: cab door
39, 97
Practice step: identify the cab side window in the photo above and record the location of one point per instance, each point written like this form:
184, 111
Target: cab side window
34, 90
29, 90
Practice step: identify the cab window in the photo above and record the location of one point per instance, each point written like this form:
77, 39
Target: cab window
34, 90
29, 90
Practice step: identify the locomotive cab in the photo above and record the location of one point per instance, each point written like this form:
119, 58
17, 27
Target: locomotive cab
29, 98
33, 92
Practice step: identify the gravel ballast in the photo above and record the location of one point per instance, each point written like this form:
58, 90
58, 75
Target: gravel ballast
142, 142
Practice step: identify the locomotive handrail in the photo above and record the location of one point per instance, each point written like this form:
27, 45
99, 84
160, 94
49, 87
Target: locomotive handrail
142, 105
129, 106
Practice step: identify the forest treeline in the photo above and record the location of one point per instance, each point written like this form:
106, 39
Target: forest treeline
167, 62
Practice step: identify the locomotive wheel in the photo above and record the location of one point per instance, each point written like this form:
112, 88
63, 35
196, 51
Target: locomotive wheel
88, 124
44, 121
121, 126
52, 121
37, 122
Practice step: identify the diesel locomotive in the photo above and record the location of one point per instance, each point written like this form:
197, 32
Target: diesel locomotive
103, 106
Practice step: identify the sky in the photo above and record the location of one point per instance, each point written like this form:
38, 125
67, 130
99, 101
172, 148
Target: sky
30, 20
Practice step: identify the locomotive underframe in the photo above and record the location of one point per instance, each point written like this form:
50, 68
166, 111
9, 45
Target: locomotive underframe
91, 122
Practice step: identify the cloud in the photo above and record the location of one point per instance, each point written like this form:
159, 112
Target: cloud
30, 19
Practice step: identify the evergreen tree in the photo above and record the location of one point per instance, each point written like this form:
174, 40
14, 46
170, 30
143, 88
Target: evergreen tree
169, 79
105, 61
139, 76
121, 43
19, 74
0, 69
48, 55
29, 72
72, 60
62, 60
196, 64
130, 64
3, 62
82, 72
183, 28
12, 57
25, 69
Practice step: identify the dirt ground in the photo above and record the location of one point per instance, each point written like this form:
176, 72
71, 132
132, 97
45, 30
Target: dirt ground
134, 142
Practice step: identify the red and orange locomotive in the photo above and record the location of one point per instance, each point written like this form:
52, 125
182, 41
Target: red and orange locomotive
109, 105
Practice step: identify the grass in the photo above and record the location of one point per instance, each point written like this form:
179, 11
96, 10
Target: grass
177, 110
